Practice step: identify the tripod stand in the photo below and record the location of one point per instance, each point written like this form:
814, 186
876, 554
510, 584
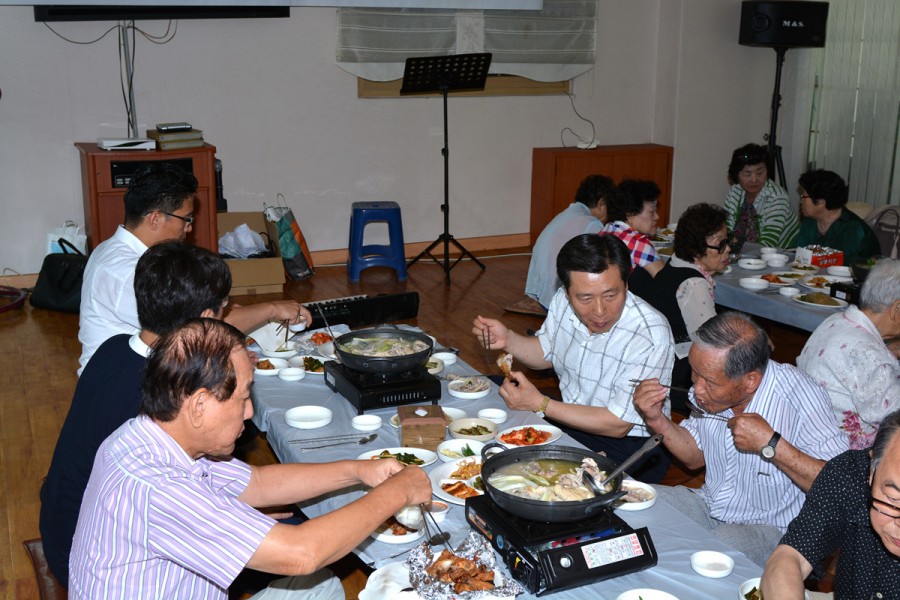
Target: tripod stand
777, 164
445, 74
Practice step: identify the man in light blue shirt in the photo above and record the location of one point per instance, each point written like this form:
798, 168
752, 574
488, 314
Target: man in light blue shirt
585, 215
765, 432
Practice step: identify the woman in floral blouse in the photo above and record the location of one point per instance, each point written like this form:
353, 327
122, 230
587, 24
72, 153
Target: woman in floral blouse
853, 355
758, 209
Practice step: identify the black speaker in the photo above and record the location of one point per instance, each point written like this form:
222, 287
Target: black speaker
788, 24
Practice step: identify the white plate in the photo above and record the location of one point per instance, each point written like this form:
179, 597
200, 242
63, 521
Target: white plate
469, 422
629, 506
809, 270
442, 473
308, 417
791, 276
278, 363
282, 354
469, 395
385, 535
555, 434
752, 264
297, 361
784, 282
841, 303
805, 282
422, 454
645, 594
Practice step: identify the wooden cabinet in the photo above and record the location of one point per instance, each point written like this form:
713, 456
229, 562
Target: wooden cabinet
556, 174
105, 175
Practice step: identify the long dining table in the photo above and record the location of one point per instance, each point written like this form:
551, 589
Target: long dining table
768, 304
674, 535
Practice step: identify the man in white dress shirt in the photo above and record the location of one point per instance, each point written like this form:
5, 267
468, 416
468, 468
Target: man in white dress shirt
159, 207
765, 433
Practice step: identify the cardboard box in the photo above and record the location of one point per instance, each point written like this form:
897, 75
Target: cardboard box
422, 426
819, 256
253, 275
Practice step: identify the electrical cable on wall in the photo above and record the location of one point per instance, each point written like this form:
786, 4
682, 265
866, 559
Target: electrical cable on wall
582, 141
127, 48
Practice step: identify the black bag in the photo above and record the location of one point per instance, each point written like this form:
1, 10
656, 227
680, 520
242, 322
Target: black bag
58, 284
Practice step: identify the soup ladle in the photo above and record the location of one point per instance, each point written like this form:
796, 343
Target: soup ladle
599, 488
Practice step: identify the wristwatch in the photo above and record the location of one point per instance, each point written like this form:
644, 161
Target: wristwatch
540, 412
768, 451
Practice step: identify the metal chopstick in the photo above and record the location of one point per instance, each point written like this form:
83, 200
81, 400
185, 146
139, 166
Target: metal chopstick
671, 387
332, 438
485, 341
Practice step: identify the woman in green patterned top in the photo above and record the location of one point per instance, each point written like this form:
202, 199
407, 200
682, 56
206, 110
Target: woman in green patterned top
758, 209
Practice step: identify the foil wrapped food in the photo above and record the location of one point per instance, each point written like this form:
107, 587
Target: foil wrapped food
475, 548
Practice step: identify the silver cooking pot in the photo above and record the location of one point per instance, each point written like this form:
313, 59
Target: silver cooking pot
383, 364
539, 510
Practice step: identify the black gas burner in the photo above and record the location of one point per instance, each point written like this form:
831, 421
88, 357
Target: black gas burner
367, 391
547, 557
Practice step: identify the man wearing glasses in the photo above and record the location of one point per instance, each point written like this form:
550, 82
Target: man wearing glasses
159, 207
854, 506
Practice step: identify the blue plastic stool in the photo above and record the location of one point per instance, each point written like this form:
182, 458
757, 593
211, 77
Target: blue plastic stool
373, 255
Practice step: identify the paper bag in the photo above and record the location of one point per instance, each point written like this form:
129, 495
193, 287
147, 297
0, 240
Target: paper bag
70, 231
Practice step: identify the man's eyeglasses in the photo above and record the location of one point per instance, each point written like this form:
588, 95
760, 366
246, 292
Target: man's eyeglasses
188, 219
723, 245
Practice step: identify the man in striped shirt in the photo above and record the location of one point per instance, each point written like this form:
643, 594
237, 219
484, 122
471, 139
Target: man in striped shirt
168, 513
765, 433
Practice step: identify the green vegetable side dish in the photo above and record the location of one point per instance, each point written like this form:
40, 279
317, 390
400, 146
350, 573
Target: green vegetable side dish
466, 451
313, 365
754, 594
475, 430
406, 458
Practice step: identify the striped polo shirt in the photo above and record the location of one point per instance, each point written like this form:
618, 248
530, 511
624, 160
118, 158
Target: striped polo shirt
741, 487
155, 523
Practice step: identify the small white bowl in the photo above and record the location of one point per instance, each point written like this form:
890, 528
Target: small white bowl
297, 327
308, 417
754, 583
645, 594
278, 363
454, 413
767, 251
455, 446
493, 414
752, 264
448, 358
366, 422
438, 510
326, 350
753, 283
292, 374
468, 423
776, 260
434, 365
790, 292
839, 271
712, 564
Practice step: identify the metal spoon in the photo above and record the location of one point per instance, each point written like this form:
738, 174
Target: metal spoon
363, 440
598, 488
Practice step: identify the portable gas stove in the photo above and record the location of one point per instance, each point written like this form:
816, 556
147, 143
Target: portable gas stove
367, 391
548, 557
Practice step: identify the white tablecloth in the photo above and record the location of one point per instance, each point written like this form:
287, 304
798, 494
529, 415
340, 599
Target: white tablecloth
674, 536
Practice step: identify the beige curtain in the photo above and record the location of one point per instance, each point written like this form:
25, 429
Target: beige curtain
855, 120
553, 44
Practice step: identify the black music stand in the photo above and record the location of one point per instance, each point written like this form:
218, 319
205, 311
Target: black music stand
428, 74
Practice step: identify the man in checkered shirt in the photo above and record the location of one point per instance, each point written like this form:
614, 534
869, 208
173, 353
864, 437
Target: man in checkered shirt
598, 337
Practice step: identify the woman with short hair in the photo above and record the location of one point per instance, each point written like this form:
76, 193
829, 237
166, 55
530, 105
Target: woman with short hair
758, 209
683, 290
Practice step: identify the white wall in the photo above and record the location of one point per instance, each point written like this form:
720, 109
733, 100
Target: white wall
285, 119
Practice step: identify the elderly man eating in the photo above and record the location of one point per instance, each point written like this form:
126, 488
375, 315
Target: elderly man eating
597, 337
765, 433
168, 513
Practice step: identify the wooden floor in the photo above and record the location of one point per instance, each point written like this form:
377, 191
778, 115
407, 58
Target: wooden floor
39, 354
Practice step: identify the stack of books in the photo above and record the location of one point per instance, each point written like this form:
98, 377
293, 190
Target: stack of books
176, 140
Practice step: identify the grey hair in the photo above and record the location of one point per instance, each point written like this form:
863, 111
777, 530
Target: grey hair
746, 342
882, 287
890, 425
